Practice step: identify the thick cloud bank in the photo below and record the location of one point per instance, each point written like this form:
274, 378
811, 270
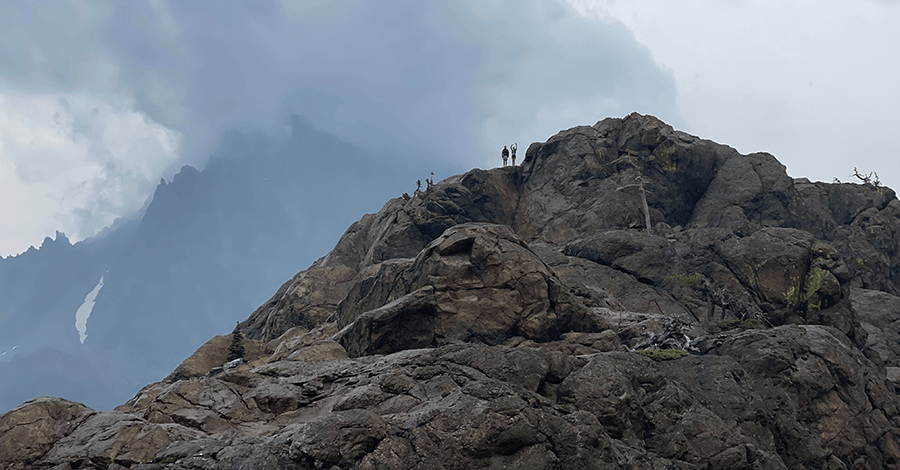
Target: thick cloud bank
452, 81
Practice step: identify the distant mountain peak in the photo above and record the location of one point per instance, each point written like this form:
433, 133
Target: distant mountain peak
60, 239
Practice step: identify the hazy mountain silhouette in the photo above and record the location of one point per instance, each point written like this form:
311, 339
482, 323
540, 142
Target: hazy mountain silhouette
210, 247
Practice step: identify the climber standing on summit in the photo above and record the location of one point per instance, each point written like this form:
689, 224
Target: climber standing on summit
513, 147
504, 154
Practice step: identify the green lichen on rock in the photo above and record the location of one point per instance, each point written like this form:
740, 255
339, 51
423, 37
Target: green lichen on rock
663, 154
694, 280
814, 304
792, 296
662, 354
813, 283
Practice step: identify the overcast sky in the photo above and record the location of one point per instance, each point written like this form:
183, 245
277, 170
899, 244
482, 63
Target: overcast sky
812, 82
99, 99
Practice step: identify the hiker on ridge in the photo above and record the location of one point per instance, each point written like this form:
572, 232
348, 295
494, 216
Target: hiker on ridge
505, 155
513, 147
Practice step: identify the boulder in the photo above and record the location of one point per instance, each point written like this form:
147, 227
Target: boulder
52, 432
796, 278
116, 438
475, 282
323, 350
30, 430
774, 262
205, 404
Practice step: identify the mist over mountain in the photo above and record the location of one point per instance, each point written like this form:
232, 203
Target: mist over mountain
210, 246
137, 89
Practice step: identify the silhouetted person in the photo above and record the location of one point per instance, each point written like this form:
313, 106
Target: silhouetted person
505, 155
513, 147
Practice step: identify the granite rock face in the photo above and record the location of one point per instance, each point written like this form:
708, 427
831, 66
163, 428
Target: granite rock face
474, 282
306, 301
47, 432
525, 317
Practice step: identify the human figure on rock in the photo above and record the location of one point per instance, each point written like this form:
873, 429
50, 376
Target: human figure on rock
505, 155
513, 147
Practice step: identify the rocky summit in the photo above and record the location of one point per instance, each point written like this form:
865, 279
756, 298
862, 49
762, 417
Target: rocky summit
530, 317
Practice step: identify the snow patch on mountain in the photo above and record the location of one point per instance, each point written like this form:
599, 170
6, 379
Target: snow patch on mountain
11, 350
84, 311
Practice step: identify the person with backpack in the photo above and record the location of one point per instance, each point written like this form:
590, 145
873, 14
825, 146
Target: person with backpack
505, 155
513, 147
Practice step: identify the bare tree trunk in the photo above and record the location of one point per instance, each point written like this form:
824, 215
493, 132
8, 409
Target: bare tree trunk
646, 208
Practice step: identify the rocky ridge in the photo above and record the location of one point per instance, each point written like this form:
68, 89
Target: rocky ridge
514, 317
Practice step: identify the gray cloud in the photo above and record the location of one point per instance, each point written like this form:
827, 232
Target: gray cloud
444, 80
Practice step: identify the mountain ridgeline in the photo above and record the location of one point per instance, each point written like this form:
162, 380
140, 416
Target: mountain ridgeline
527, 317
210, 246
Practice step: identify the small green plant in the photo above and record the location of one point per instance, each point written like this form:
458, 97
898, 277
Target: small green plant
694, 280
236, 349
860, 262
735, 323
662, 354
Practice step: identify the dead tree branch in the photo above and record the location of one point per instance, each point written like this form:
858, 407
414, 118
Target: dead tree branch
639, 184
